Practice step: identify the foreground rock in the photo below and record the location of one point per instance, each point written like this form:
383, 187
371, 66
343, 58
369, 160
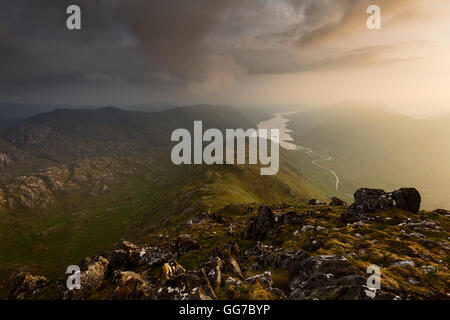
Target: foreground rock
170, 269
327, 277
193, 285
130, 286
126, 255
258, 227
24, 285
300, 253
375, 200
95, 271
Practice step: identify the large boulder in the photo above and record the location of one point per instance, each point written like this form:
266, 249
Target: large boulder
374, 200
258, 227
129, 286
126, 255
95, 271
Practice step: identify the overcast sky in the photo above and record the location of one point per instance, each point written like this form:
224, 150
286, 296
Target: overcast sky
253, 52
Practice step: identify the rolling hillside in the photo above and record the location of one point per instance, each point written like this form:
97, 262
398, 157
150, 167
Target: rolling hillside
99, 176
379, 149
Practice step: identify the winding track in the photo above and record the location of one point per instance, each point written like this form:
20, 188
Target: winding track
291, 146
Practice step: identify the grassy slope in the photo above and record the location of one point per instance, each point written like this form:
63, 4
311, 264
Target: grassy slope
47, 240
381, 242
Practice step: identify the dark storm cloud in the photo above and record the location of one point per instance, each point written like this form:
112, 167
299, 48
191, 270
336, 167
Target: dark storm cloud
171, 32
45, 52
196, 44
129, 41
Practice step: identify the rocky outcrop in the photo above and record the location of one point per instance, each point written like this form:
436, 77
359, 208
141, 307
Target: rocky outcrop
233, 266
126, 255
276, 257
258, 227
24, 285
95, 271
327, 277
408, 248
154, 256
375, 200
199, 219
169, 270
214, 267
336, 202
40, 189
259, 287
186, 286
184, 243
130, 286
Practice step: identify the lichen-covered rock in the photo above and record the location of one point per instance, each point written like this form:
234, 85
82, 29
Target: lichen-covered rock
410, 249
233, 266
200, 294
256, 287
214, 267
170, 269
327, 277
24, 285
95, 271
184, 243
276, 257
258, 227
185, 286
153, 256
125, 256
130, 286
374, 200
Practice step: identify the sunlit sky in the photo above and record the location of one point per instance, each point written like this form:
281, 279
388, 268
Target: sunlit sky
257, 52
